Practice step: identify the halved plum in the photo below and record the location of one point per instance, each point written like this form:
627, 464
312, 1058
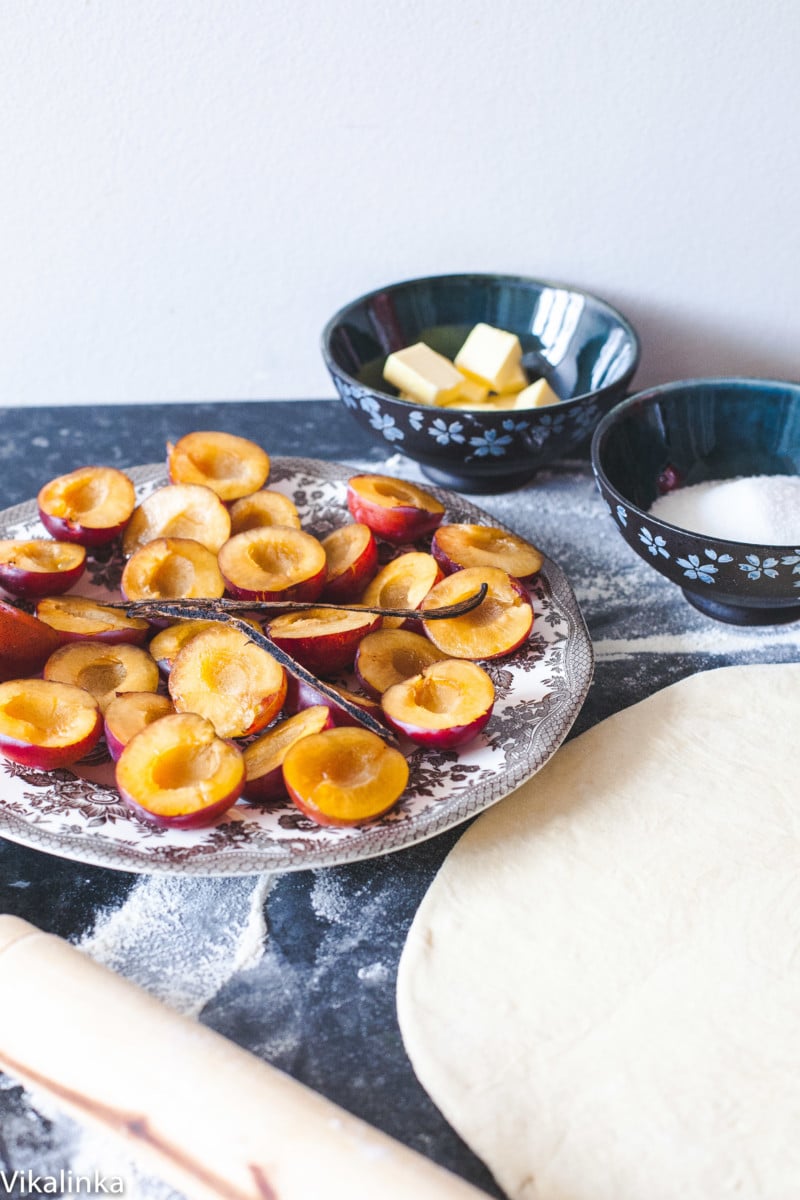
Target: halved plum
129, 714
229, 680
446, 705
497, 627
76, 618
168, 643
389, 656
301, 695
344, 776
171, 569
178, 773
263, 759
351, 555
26, 643
47, 724
180, 510
90, 506
37, 567
273, 563
403, 583
324, 640
457, 546
266, 507
231, 466
393, 509
103, 670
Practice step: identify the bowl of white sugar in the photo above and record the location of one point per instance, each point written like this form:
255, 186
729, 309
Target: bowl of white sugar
702, 478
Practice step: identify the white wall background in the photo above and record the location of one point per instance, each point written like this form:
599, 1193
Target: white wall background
189, 188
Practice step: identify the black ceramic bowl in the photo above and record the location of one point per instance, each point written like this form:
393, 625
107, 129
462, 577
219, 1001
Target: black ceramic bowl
686, 433
586, 350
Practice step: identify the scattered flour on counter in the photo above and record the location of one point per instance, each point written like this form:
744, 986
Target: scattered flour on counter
182, 939
757, 508
328, 898
374, 974
722, 640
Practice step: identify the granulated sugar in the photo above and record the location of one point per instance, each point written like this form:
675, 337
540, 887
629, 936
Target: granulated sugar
758, 508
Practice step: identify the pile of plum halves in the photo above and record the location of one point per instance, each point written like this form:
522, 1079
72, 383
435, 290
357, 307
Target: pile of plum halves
227, 703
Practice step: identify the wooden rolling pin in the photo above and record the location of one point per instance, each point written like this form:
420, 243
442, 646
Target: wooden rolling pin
207, 1116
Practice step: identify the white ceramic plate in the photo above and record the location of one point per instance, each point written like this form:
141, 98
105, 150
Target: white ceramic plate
77, 814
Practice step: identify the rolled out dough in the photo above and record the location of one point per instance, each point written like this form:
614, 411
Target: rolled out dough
601, 989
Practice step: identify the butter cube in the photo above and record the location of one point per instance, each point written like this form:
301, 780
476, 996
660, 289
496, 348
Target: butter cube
424, 375
465, 406
515, 382
470, 392
490, 404
538, 395
491, 356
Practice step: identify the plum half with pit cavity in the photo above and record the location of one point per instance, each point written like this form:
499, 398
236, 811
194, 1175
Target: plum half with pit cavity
344, 776
91, 506
231, 466
172, 569
229, 680
497, 627
274, 563
47, 724
129, 714
78, 618
458, 546
178, 773
389, 656
186, 510
446, 705
393, 509
38, 567
403, 583
103, 670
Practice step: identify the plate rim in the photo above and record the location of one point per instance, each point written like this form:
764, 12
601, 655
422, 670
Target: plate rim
578, 666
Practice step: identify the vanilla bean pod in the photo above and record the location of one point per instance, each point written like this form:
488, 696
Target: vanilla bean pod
184, 608
201, 612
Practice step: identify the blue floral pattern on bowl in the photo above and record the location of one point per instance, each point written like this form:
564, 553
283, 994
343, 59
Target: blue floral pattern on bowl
590, 363
469, 437
705, 567
741, 427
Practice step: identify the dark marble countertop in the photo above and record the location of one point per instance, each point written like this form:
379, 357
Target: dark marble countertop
301, 968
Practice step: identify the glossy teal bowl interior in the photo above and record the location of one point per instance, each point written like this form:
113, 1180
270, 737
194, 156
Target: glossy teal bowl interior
690, 432
586, 349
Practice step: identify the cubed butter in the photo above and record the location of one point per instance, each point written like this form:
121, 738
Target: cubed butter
503, 401
492, 403
423, 374
537, 395
490, 356
470, 392
515, 382
465, 406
